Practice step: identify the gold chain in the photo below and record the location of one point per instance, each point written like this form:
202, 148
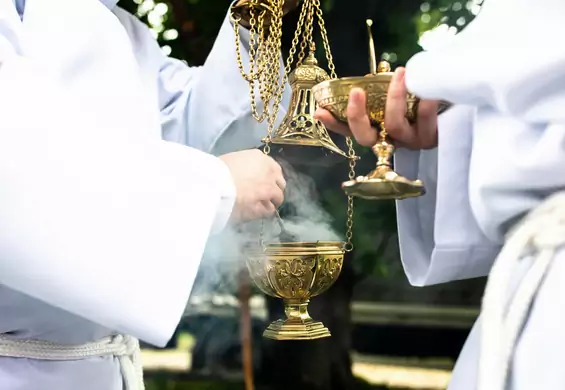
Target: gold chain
264, 69
295, 40
351, 150
325, 39
264, 50
350, 209
307, 32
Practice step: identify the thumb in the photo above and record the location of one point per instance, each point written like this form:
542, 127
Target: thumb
395, 113
359, 122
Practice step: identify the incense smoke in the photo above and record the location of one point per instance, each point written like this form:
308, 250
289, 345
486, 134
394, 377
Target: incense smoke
303, 217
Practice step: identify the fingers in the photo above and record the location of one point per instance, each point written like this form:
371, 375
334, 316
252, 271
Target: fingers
266, 208
272, 199
422, 135
276, 195
358, 119
278, 174
395, 115
277, 191
277, 198
332, 123
263, 210
281, 183
427, 124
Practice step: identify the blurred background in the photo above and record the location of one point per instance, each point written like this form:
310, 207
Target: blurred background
386, 334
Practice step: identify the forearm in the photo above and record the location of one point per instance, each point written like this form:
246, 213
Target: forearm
103, 225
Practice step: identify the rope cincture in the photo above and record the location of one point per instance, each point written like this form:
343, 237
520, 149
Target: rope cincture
125, 348
541, 234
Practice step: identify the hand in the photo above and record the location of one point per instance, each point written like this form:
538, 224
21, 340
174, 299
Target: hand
421, 135
259, 184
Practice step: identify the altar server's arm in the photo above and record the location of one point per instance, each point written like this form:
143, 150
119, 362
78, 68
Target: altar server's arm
93, 221
522, 105
207, 107
440, 240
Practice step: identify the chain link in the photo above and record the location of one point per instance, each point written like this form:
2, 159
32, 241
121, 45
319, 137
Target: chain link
264, 49
307, 32
295, 40
350, 200
265, 71
325, 38
351, 150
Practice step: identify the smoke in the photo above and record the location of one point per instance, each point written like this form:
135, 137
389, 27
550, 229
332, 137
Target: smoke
306, 219
302, 217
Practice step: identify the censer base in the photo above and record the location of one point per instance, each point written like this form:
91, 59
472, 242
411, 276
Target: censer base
295, 272
286, 330
383, 184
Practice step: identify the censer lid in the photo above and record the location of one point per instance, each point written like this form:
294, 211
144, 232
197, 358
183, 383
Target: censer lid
308, 71
311, 59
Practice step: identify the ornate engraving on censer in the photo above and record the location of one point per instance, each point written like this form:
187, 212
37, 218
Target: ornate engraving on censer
333, 95
299, 127
292, 276
328, 271
296, 272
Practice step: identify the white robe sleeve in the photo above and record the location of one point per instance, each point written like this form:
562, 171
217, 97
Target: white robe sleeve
440, 240
208, 107
491, 172
97, 216
478, 66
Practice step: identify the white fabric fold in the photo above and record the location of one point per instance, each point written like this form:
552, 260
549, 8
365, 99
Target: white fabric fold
506, 58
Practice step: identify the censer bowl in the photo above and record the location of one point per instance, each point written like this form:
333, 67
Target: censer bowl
295, 272
333, 95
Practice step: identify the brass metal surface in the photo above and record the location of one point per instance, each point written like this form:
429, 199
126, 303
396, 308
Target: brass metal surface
295, 272
299, 127
383, 182
333, 95
292, 271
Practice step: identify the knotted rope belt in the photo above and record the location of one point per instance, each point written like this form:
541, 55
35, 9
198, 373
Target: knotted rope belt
124, 348
541, 234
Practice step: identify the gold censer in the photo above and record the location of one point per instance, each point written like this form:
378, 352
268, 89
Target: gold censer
292, 271
333, 95
296, 272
